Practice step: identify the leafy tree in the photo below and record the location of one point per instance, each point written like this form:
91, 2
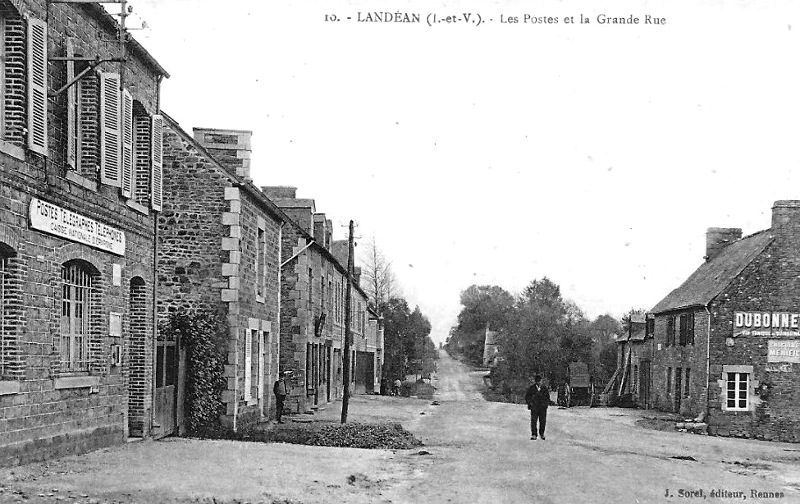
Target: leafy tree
406, 339
483, 306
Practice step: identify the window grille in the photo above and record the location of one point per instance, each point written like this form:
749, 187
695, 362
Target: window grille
5, 344
75, 312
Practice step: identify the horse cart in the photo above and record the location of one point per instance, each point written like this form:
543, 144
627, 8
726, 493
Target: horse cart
579, 387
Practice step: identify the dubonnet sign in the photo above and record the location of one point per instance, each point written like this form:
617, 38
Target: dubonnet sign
766, 324
67, 224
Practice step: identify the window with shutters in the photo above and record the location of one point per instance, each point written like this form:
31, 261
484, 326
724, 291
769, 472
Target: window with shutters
23, 64
110, 126
686, 332
76, 304
261, 266
250, 335
670, 330
156, 162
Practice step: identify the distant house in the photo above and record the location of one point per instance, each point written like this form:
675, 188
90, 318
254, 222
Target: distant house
490, 348
632, 379
313, 287
727, 341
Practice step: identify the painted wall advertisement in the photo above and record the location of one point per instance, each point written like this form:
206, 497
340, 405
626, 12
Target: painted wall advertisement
766, 324
783, 351
67, 224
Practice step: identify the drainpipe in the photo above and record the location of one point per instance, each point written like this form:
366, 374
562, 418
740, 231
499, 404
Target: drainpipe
708, 360
155, 330
287, 261
278, 330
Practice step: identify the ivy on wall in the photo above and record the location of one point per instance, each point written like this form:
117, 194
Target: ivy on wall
202, 335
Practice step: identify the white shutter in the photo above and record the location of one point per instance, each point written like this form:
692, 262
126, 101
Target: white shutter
37, 86
248, 364
110, 120
72, 100
127, 144
157, 160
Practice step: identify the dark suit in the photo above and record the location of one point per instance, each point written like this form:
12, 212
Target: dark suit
538, 399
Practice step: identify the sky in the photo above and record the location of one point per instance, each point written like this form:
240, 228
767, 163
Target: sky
594, 154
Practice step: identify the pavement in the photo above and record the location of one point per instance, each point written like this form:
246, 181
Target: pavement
475, 451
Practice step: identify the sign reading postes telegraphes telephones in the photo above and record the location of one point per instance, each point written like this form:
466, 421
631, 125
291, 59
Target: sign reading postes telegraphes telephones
766, 323
59, 221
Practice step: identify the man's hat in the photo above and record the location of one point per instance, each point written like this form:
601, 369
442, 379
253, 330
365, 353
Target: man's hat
537, 377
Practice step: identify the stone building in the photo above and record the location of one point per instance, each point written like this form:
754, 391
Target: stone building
313, 285
79, 190
728, 339
219, 251
632, 380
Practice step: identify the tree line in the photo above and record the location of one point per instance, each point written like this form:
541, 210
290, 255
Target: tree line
407, 346
538, 331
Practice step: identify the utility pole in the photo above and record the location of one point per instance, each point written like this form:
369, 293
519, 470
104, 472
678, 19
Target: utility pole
348, 294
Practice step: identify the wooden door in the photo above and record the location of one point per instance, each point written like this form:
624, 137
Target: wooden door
678, 390
644, 385
166, 381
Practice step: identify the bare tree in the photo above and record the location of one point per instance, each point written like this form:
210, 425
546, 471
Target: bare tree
380, 282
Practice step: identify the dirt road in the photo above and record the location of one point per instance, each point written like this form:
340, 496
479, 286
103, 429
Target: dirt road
481, 452
474, 452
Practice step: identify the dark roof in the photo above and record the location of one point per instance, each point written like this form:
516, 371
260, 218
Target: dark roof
638, 334
713, 276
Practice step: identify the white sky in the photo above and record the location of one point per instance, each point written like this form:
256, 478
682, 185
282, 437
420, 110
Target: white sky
595, 155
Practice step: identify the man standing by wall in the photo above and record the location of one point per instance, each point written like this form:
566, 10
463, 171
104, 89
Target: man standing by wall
538, 398
281, 390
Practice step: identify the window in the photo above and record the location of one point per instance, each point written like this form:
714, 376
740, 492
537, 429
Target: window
737, 387
686, 383
260, 266
6, 350
250, 335
669, 380
686, 331
670, 330
75, 313
23, 81
650, 327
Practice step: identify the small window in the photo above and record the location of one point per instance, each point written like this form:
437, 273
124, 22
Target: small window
686, 383
670, 330
75, 315
260, 266
650, 327
669, 380
737, 386
686, 332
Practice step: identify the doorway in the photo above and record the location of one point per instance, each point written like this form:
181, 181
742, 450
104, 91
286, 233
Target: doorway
169, 379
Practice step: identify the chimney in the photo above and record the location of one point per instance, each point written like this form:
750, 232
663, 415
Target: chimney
786, 217
719, 238
279, 192
300, 210
339, 251
321, 230
357, 276
231, 148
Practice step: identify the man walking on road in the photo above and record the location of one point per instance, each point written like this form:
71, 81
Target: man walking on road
281, 390
538, 398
